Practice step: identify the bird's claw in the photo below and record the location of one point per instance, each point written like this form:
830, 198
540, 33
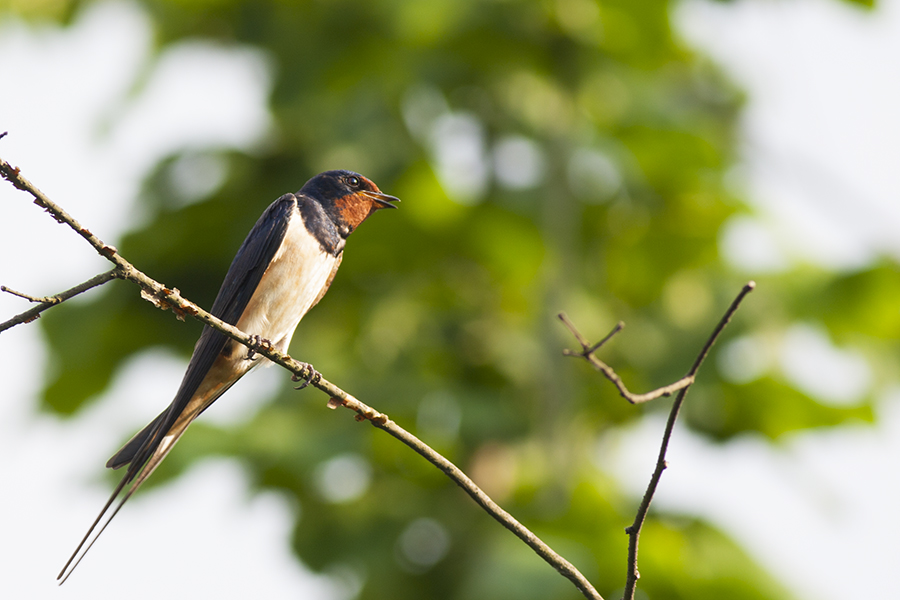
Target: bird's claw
311, 374
258, 343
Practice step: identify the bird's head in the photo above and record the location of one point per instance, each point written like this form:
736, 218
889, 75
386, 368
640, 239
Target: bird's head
347, 197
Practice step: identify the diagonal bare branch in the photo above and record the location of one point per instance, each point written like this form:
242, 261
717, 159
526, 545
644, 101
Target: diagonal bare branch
381, 421
164, 298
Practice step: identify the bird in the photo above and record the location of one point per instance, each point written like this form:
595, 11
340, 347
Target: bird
283, 268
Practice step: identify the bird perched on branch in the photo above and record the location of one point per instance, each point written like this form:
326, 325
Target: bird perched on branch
282, 269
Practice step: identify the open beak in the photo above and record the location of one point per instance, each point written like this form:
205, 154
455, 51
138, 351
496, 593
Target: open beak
382, 200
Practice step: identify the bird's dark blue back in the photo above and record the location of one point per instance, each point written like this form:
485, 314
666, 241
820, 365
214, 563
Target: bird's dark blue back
240, 283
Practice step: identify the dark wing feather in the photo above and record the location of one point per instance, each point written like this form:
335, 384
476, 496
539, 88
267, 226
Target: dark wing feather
240, 283
244, 275
127, 452
252, 259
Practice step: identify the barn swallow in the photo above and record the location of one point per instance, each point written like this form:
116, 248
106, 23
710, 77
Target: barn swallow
282, 269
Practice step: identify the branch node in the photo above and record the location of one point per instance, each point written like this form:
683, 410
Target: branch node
587, 353
167, 299
44, 303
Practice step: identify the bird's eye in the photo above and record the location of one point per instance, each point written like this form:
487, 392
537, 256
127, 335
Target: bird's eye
353, 181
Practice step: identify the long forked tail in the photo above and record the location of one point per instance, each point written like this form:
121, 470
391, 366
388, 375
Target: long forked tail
66, 571
137, 472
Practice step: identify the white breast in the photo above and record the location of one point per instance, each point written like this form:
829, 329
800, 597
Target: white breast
288, 288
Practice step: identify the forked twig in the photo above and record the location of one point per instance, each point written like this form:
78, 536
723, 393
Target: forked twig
48, 301
634, 530
587, 353
681, 386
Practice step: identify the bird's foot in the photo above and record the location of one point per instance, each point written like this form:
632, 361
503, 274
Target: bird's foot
259, 343
311, 376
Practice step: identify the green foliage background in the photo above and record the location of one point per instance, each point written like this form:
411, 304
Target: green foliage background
446, 309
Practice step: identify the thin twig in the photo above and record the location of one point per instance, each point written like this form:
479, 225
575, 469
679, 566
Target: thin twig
381, 421
634, 530
46, 302
587, 353
23, 295
164, 297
